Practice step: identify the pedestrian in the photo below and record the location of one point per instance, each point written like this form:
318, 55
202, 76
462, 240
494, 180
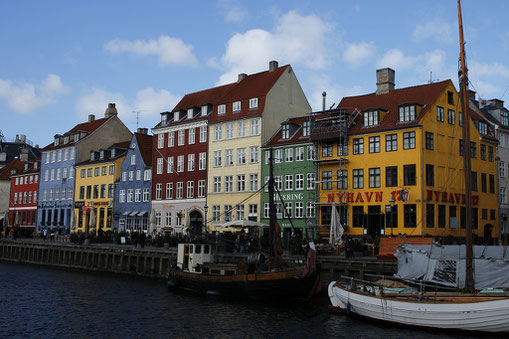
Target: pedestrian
44, 234
350, 248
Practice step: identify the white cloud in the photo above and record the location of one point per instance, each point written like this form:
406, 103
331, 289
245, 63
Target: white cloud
169, 50
296, 39
232, 11
95, 101
357, 54
438, 30
488, 79
488, 70
423, 64
152, 102
334, 92
29, 97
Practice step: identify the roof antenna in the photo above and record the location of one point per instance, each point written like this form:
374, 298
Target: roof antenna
138, 117
431, 78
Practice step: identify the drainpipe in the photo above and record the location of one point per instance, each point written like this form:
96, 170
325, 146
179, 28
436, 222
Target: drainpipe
423, 142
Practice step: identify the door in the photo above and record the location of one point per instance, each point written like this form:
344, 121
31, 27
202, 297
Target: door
375, 220
196, 223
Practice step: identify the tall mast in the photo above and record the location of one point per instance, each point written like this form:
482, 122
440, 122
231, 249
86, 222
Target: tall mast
272, 208
463, 79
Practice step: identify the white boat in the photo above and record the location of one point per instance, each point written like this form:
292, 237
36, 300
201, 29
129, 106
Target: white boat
443, 310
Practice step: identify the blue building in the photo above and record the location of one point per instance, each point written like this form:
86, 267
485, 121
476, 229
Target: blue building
57, 177
133, 191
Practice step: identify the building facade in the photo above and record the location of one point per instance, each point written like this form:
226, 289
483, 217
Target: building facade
131, 208
243, 119
56, 187
95, 188
398, 166
294, 171
23, 196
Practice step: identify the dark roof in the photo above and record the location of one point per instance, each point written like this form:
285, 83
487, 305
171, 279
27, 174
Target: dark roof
423, 95
88, 127
16, 164
145, 143
13, 150
123, 145
295, 138
31, 168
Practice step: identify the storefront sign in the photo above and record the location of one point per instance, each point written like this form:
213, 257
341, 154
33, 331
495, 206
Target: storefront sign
79, 204
448, 197
346, 197
290, 197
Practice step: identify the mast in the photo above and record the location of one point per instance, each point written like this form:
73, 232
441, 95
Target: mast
272, 208
463, 79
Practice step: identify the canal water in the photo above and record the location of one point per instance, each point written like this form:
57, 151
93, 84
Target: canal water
47, 302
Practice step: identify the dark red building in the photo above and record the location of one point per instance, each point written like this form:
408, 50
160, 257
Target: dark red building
23, 195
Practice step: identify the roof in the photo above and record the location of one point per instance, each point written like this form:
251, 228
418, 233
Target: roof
145, 143
13, 150
295, 138
122, 145
88, 127
16, 164
424, 95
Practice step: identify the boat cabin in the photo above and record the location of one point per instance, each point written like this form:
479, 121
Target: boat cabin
192, 257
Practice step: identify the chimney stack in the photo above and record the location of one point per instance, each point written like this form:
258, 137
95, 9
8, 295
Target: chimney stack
91, 117
273, 65
384, 80
324, 94
471, 94
110, 111
242, 76
142, 130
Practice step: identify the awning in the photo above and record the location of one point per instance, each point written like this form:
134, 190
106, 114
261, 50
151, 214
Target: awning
126, 213
133, 213
142, 213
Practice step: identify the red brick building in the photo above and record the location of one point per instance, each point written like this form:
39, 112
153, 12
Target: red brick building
23, 196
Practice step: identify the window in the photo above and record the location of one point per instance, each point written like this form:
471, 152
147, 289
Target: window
217, 184
130, 195
203, 134
391, 142
430, 175
253, 103
169, 190
171, 139
253, 151
327, 180
484, 183
240, 212
131, 175
450, 98
160, 140
371, 118
221, 109
253, 182
52, 174
288, 209
192, 136
440, 114
358, 178
266, 210
201, 188
159, 191
218, 133
374, 144
159, 165
441, 216
147, 174
46, 174
180, 190
190, 162
474, 181
299, 209
473, 149
299, 181
237, 106
228, 183
289, 182
217, 158
82, 194
180, 163
137, 195
168, 218
202, 161
450, 116
299, 154
242, 129
357, 216
89, 192
462, 147
285, 131
429, 141
215, 213
103, 191
229, 130
374, 177
170, 164
227, 215
492, 183
181, 137
278, 183
146, 194
311, 153
138, 174
228, 157
407, 113
430, 215
204, 110
342, 179
391, 216
255, 127
241, 183
483, 152
410, 215
358, 146
59, 171
409, 175
310, 209
501, 169
190, 189
241, 156
408, 140
289, 154
310, 181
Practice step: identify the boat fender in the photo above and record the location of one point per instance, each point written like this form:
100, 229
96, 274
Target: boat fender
348, 308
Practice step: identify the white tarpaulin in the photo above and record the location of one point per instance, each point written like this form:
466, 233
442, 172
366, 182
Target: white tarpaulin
336, 230
446, 264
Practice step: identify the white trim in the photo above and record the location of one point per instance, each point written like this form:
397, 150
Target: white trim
179, 127
22, 208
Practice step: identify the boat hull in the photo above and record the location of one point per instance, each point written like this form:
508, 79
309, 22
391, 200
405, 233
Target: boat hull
285, 284
469, 313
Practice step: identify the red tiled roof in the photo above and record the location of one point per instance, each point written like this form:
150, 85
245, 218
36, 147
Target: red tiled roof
88, 127
424, 95
145, 143
5, 172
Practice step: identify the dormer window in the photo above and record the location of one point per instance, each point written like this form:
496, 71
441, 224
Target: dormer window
163, 118
236, 106
57, 141
66, 139
204, 110
253, 103
101, 155
285, 131
305, 128
113, 153
504, 117
176, 116
77, 137
190, 113
371, 118
407, 113
221, 109
483, 128
92, 156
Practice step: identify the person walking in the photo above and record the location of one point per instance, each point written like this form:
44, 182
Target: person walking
44, 234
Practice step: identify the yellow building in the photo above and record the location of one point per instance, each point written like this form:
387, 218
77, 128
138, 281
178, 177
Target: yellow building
95, 188
396, 168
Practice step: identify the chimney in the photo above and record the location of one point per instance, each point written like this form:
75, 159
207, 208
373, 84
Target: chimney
470, 94
384, 80
324, 94
142, 130
273, 65
21, 138
110, 111
242, 76
91, 117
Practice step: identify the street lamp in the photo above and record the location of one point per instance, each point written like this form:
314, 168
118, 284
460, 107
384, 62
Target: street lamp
392, 201
205, 208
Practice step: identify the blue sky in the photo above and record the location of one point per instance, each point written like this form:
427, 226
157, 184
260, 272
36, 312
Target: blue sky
63, 60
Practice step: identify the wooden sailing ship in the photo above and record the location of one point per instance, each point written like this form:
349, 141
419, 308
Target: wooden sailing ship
468, 310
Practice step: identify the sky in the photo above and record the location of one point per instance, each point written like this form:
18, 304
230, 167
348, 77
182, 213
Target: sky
63, 60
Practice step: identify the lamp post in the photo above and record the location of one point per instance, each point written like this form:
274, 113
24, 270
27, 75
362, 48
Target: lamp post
205, 208
392, 201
